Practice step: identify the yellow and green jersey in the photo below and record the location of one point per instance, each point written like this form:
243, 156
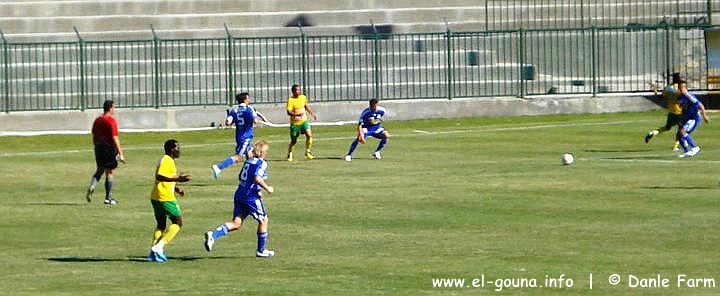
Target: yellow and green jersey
673, 105
297, 105
164, 191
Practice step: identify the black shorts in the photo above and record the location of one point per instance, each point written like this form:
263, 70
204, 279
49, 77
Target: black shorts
106, 156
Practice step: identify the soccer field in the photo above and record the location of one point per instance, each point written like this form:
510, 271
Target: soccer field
452, 199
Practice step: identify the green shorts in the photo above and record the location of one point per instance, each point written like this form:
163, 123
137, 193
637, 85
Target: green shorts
165, 209
672, 120
296, 130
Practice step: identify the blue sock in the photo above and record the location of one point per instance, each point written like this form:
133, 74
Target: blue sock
690, 140
108, 187
381, 145
221, 230
684, 143
352, 147
262, 239
226, 163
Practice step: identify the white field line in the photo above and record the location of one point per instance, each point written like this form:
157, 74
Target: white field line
415, 133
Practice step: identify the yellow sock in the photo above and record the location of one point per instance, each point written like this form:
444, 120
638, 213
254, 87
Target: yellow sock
157, 234
170, 233
308, 144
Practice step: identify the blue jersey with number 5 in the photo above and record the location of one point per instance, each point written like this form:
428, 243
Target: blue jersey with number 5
248, 187
243, 116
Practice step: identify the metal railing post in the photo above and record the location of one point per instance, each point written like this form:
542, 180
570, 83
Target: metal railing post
667, 53
376, 60
709, 12
81, 65
303, 57
6, 66
156, 64
593, 60
230, 66
449, 52
521, 60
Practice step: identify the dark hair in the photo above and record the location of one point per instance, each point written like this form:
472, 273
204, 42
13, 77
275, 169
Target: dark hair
241, 97
294, 86
169, 145
107, 105
373, 101
676, 77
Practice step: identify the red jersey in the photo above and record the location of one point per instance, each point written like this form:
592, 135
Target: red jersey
104, 129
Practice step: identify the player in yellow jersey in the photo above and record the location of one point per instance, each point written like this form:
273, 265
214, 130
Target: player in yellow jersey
297, 106
164, 202
670, 94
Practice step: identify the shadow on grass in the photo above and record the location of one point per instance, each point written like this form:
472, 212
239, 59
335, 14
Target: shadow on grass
302, 158
615, 150
128, 259
56, 203
679, 187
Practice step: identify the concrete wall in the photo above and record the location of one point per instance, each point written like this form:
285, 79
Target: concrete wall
194, 117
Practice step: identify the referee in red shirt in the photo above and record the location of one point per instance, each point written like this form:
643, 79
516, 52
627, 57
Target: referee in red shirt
107, 151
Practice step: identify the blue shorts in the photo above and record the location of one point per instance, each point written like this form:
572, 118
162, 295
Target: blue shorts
253, 207
690, 124
243, 146
374, 131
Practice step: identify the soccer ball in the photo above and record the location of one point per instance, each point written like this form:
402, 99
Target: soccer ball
567, 159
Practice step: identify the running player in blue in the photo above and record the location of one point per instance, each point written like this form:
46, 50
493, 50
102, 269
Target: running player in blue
244, 117
693, 111
370, 125
248, 201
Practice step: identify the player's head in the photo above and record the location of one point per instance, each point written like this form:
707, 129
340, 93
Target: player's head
260, 149
682, 86
373, 104
296, 90
172, 148
108, 105
676, 78
671, 89
242, 98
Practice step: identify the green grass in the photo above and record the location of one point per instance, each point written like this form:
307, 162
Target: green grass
451, 199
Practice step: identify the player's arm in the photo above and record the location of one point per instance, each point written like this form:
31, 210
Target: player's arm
701, 107
180, 178
290, 110
259, 180
360, 134
309, 110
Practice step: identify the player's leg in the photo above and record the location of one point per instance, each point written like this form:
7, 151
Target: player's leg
172, 210
109, 178
384, 136
160, 225
308, 140
93, 182
257, 210
294, 134
242, 148
669, 122
223, 229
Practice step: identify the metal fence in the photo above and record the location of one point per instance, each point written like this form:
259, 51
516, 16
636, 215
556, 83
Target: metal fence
561, 14
159, 73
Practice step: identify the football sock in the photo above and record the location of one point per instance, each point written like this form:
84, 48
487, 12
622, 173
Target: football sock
690, 140
108, 187
170, 233
157, 234
95, 178
381, 145
352, 147
262, 239
220, 231
308, 144
226, 163
684, 144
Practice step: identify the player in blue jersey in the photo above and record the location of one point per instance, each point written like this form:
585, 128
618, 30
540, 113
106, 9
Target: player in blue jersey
244, 117
248, 201
693, 111
370, 125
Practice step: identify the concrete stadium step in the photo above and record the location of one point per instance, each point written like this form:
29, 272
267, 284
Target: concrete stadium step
97, 23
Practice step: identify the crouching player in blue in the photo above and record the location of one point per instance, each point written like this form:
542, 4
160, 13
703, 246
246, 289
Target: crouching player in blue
370, 125
693, 110
248, 201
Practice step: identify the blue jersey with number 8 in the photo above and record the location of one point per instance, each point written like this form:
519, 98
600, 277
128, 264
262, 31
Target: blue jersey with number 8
248, 188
